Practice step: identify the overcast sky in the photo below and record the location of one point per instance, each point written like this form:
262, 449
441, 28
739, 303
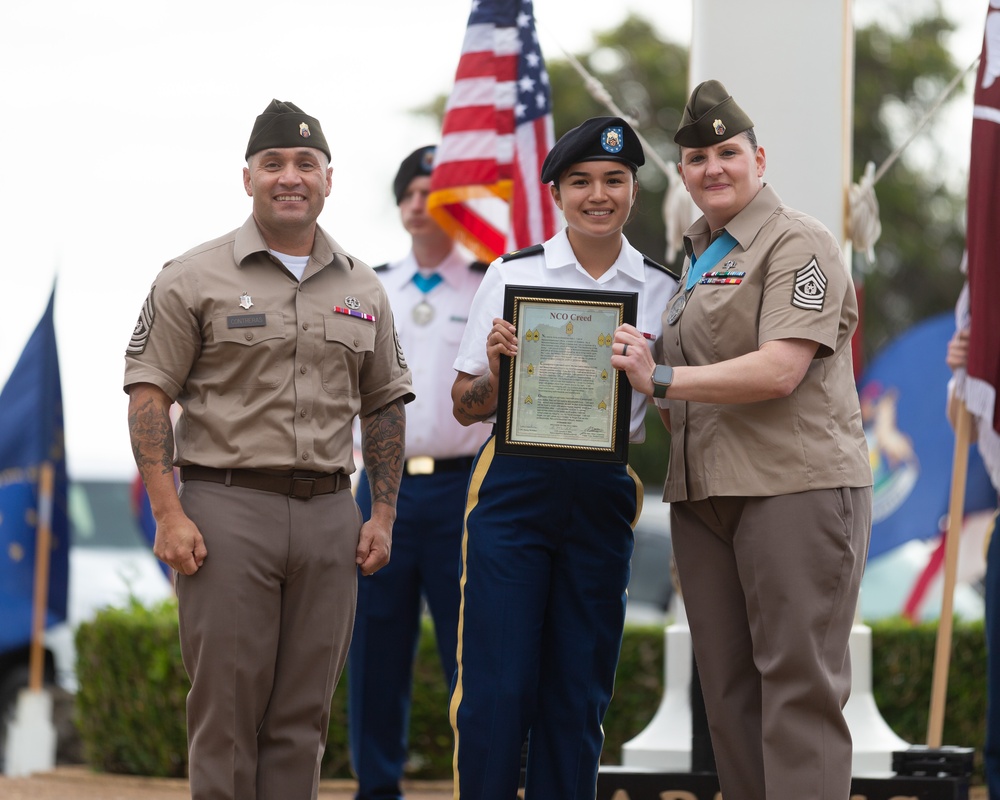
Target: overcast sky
125, 125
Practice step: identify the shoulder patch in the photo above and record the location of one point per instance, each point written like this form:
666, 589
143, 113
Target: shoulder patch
810, 287
657, 265
381, 267
535, 249
479, 266
143, 326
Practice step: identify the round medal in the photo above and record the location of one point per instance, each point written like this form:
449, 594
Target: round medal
676, 309
423, 312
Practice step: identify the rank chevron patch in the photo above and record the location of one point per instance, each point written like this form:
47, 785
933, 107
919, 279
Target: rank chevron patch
810, 287
140, 334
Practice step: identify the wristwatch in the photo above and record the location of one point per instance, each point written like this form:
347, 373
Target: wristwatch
663, 376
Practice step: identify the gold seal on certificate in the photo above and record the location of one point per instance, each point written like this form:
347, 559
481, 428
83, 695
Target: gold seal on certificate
560, 397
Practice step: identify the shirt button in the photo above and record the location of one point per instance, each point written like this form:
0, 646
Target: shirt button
248, 336
305, 456
357, 343
305, 326
302, 413
303, 369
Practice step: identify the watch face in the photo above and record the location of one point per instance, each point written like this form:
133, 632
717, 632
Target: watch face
663, 375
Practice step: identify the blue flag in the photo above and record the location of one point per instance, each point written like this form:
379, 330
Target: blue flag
903, 401
31, 432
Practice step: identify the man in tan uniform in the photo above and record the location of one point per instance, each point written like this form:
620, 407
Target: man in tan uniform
272, 339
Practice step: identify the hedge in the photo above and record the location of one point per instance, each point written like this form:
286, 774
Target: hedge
130, 705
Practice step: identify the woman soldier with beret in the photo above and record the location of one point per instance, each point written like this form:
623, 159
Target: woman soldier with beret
769, 480
548, 541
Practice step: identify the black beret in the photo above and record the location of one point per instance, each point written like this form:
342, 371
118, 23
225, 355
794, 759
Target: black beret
419, 162
286, 125
597, 139
710, 116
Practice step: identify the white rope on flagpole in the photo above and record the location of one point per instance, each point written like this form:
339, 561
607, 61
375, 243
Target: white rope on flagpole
864, 225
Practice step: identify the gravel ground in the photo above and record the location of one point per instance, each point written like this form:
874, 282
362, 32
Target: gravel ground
79, 783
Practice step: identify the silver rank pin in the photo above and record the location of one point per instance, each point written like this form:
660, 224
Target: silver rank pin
245, 300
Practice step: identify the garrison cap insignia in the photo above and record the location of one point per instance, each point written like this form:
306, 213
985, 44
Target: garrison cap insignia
140, 334
304, 131
245, 300
810, 287
352, 302
613, 139
718, 127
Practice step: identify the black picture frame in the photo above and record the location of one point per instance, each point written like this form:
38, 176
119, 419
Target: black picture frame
553, 404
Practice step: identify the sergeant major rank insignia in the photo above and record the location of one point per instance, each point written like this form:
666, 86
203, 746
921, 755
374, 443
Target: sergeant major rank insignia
140, 334
810, 287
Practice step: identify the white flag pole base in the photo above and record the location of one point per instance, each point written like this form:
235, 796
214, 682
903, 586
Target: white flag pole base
665, 743
874, 741
31, 735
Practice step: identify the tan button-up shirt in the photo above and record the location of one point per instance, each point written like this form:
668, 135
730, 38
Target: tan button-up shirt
269, 371
796, 286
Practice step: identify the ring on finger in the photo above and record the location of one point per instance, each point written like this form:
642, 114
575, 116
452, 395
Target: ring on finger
624, 349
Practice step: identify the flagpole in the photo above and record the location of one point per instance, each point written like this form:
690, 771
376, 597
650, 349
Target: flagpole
43, 547
942, 654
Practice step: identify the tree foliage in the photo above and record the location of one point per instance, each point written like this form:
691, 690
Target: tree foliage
898, 78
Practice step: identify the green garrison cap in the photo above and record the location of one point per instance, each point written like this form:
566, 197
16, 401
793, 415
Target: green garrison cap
711, 116
597, 139
286, 125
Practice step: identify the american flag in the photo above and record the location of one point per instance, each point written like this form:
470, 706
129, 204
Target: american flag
485, 187
983, 248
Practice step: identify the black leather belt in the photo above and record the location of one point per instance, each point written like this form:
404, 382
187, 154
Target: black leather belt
299, 485
425, 465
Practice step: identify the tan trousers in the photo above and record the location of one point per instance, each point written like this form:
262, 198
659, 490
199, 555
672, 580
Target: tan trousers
265, 626
770, 586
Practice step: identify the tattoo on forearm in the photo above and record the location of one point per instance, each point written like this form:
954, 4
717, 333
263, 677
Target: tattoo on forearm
383, 451
476, 401
152, 437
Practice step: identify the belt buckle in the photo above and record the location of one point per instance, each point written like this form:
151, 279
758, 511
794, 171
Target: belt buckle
420, 465
302, 488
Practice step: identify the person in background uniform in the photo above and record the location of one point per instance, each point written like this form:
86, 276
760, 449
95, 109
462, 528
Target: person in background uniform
769, 479
272, 339
548, 541
430, 290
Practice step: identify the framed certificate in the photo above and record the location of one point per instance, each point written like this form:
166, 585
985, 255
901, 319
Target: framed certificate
560, 397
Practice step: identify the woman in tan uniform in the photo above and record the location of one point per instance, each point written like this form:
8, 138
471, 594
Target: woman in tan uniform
769, 479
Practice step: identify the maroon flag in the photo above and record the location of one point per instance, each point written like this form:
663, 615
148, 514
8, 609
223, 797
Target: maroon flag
978, 309
984, 234
485, 187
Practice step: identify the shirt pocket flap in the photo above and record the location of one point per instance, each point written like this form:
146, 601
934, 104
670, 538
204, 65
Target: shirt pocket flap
354, 334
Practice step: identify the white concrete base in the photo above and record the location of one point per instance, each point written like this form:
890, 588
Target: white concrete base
665, 744
874, 740
31, 736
